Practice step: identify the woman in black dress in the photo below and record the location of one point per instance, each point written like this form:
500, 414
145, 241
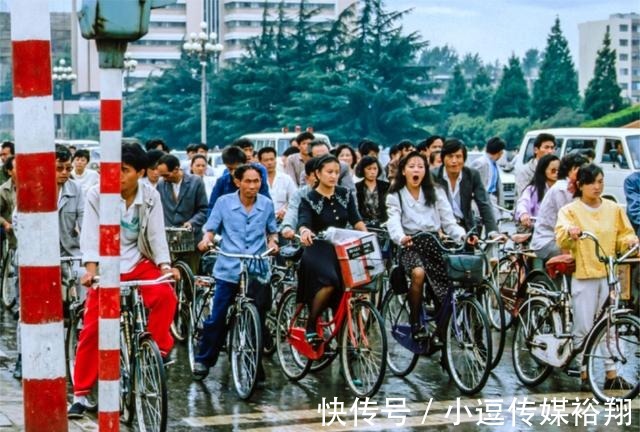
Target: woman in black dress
327, 205
371, 192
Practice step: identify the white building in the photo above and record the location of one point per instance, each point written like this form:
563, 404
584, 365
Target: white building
624, 31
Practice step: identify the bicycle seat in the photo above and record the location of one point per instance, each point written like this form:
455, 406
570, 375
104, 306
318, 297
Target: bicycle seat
291, 252
520, 238
561, 264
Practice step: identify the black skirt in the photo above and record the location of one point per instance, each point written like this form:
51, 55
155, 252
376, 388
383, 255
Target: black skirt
318, 268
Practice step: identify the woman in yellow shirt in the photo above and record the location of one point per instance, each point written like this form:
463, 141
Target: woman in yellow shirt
589, 289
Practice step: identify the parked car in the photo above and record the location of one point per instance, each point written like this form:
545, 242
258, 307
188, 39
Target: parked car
617, 151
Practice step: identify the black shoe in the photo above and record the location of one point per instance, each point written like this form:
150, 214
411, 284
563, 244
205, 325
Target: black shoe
313, 339
419, 333
617, 383
76, 411
17, 371
200, 371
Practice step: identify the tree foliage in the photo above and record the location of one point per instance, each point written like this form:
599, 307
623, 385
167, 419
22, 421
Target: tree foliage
511, 98
602, 95
456, 99
557, 84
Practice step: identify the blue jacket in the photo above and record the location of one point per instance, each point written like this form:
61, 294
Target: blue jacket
632, 193
225, 185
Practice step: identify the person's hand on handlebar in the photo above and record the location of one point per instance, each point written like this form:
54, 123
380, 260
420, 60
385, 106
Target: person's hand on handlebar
574, 232
272, 244
288, 233
306, 236
525, 220
406, 241
207, 242
632, 242
166, 269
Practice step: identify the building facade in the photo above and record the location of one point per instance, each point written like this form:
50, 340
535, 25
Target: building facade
624, 30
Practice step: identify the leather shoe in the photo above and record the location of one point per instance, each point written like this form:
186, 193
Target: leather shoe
200, 371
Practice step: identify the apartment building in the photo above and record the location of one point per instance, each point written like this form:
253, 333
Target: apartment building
624, 30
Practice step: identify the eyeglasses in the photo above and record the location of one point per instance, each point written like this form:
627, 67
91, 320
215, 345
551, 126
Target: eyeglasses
64, 168
554, 170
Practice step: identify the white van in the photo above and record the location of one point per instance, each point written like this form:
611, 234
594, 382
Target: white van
278, 140
617, 152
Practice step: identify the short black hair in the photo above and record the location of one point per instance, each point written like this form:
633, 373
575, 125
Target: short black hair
393, 150
569, 162
310, 166
243, 143
201, 146
452, 145
198, 156
291, 150
10, 145
543, 137
405, 144
153, 156
63, 154
8, 165
495, 145
264, 150
170, 161
135, 156
317, 143
433, 138
325, 160
191, 148
367, 146
154, 143
421, 146
239, 172
82, 153
587, 175
233, 155
365, 162
306, 135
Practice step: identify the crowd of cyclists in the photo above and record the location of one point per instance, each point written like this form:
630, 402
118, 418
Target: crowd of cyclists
264, 200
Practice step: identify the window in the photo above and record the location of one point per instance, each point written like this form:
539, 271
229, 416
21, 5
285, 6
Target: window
624, 28
623, 57
624, 71
613, 153
634, 28
623, 42
580, 144
635, 42
635, 85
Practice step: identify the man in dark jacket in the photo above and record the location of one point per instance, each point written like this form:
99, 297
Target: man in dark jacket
464, 186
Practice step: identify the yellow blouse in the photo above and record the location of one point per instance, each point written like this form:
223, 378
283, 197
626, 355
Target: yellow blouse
610, 225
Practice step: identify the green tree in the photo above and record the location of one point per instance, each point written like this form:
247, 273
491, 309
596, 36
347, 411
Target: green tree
511, 130
456, 100
480, 94
83, 126
471, 130
471, 64
557, 84
440, 60
602, 95
530, 61
511, 98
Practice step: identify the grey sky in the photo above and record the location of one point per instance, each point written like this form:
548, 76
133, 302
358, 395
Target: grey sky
497, 28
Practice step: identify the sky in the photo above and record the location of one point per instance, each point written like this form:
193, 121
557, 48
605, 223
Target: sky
497, 28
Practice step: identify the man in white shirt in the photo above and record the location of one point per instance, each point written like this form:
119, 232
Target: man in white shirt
281, 186
544, 144
82, 175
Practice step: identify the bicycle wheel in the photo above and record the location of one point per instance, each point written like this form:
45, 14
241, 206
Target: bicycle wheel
364, 349
9, 288
198, 312
468, 346
184, 293
71, 337
293, 364
491, 302
507, 276
246, 349
395, 312
150, 388
614, 347
533, 320
127, 401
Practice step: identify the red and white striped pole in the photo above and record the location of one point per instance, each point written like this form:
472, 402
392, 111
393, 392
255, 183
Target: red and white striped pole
41, 327
109, 291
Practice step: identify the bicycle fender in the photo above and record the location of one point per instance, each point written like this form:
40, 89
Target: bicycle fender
537, 272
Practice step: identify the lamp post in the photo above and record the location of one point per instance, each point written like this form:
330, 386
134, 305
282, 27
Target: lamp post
130, 65
62, 74
203, 46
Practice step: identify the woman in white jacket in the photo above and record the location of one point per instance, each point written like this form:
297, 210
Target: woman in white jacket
415, 205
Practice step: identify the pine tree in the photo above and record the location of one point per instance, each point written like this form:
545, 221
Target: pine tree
456, 99
511, 99
602, 95
481, 93
557, 84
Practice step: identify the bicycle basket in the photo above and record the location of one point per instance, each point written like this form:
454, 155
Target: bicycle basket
561, 264
464, 268
181, 241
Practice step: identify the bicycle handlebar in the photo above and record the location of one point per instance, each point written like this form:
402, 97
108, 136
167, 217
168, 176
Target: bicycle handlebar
70, 258
602, 257
162, 279
177, 229
263, 255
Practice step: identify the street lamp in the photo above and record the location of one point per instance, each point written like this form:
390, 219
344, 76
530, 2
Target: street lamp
203, 46
130, 65
62, 74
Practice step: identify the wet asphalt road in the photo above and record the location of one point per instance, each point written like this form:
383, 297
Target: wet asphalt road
285, 406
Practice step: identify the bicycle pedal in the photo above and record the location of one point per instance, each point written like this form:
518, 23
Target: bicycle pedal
573, 372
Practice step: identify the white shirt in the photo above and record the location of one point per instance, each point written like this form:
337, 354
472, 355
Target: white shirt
86, 180
455, 196
282, 190
176, 188
129, 232
209, 181
415, 216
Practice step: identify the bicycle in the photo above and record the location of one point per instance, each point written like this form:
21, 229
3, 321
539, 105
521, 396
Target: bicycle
357, 326
467, 343
543, 339
243, 321
8, 278
73, 310
143, 382
181, 240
